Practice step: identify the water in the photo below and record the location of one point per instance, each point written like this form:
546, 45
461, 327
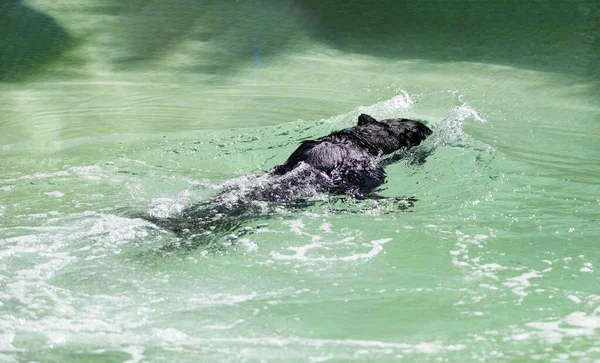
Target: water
111, 109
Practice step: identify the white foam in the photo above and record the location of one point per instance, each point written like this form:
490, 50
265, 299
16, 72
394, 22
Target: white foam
220, 299
401, 102
423, 347
170, 335
587, 267
55, 193
450, 130
576, 324
137, 354
7, 358
56, 337
82, 171
250, 246
520, 283
326, 227
301, 251
6, 340
165, 207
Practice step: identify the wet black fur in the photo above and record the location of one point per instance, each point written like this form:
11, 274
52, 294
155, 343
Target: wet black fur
351, 157
345, 162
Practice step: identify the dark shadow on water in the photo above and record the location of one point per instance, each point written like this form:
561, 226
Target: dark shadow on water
27, 38
216, 37
209, 37
555, 36
552, 36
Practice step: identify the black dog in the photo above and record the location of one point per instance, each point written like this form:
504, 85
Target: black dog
346, 162
350, 158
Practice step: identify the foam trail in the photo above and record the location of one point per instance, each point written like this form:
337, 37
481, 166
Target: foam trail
402, 102
450, 131
300, 252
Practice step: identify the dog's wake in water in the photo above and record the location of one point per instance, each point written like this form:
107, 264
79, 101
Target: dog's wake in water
348, 162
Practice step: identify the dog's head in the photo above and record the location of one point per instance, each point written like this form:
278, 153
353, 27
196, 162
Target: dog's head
394, 134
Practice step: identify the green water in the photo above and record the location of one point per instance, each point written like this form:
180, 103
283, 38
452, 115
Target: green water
109, 107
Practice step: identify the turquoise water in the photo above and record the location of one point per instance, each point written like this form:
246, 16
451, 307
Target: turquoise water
109, 110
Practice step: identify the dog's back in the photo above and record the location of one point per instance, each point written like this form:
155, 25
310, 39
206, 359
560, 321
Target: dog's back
349, 158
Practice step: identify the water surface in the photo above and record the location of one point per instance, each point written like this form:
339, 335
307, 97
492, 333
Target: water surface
149, 107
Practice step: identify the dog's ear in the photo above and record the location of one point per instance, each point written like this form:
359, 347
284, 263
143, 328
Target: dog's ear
364, 119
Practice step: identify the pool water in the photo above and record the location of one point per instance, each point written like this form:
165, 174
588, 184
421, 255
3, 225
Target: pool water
113, 110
